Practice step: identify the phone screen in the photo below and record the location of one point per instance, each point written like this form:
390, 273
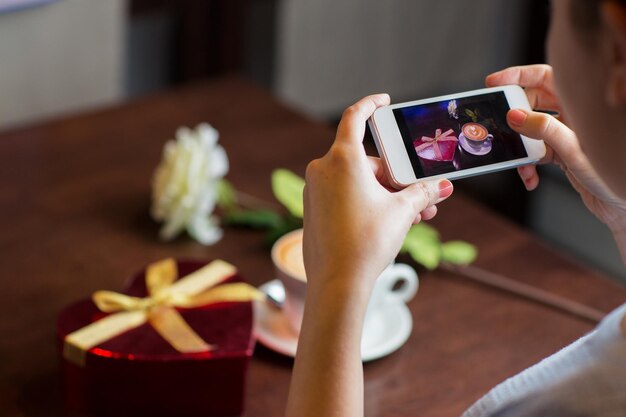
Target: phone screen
453, 135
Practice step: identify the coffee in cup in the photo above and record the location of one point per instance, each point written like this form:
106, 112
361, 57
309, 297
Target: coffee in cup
289, 265
475, 131
289, 255
476, 134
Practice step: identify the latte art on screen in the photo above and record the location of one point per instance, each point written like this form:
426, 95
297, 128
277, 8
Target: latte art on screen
474, 131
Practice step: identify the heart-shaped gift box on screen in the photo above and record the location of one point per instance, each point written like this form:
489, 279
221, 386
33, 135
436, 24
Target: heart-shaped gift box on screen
176, 343
440, 147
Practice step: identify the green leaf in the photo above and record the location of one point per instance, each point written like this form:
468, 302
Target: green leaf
423, 231
423, 245
289, 190
226, 195
472, 114
256, 219
458, 252
426, 254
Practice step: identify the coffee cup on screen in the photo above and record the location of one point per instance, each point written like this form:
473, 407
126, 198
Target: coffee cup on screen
475, 134
398, 283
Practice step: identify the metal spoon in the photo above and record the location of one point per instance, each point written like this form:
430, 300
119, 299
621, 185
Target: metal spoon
275, 293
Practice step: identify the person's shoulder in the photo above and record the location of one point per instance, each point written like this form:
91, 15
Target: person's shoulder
596, 389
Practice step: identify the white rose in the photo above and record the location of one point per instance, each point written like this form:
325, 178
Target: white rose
452, 109
184, 188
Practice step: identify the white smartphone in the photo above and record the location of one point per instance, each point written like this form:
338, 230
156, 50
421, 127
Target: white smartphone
453, 136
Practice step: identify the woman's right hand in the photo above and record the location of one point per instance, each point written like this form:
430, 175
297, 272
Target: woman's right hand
354, 222
562, 146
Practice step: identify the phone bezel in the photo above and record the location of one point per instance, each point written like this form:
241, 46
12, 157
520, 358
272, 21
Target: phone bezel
396, 160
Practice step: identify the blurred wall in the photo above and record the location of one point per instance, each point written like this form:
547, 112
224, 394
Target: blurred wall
150, 55
330, 53
59, 58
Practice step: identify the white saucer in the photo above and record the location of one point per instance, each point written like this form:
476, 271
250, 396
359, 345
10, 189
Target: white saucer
484, 149
393, 324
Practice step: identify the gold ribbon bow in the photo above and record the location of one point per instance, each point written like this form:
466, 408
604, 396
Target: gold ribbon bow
434, 142
159, 307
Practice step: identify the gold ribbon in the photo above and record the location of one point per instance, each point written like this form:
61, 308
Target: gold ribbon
434, 142
165, 293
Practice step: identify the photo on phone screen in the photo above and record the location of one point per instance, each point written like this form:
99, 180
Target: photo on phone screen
453, 135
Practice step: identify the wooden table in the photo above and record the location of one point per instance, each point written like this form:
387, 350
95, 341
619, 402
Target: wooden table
74, 200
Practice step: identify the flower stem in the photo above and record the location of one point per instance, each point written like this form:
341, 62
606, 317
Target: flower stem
251, 202
526, 291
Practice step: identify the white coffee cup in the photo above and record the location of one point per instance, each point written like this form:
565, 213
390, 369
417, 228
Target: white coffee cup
398, 283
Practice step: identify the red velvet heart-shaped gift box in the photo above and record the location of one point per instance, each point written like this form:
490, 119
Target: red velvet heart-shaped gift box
139, 373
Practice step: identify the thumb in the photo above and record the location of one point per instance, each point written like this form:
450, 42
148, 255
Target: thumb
424, 194
558, 136
563, 148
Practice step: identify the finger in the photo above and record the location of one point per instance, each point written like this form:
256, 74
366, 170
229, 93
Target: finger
381, 175
542, 100
351, 129
559, 138
529, 176
428, 213
529, 76
377, 168
424, 194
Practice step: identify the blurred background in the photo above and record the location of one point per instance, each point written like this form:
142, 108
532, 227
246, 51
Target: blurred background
64, 56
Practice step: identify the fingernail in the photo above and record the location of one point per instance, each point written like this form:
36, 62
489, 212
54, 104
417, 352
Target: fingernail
517, 117
445, 189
